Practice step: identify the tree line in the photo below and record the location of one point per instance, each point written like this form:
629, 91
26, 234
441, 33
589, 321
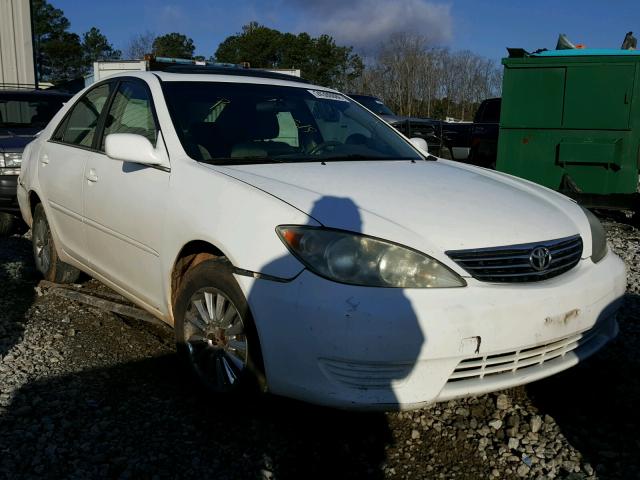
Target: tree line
63, 56
417, 79
413, 77
410, 75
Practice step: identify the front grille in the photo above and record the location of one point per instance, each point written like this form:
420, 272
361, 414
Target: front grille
515, 361
512, 263
365, 375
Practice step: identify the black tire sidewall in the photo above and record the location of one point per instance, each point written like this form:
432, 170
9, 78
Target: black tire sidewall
217, 274
40, 222
58, 272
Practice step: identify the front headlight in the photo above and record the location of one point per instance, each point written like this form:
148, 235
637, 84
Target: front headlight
10, 160
598, 237
356, 259
10, 163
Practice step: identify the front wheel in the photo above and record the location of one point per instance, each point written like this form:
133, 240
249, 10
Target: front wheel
44, 252
215, 333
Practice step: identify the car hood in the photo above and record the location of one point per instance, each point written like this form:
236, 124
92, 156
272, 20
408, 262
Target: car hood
433, 206
11, 141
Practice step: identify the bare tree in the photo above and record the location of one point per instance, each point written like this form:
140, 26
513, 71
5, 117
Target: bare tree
417, 79
139, 45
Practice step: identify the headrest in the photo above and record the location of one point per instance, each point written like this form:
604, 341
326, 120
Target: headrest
202, 130
263, 126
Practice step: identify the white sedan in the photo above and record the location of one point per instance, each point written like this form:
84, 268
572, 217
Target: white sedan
298, 244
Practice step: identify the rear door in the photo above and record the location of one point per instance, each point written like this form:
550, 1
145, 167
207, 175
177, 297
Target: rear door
124, 203
61, 165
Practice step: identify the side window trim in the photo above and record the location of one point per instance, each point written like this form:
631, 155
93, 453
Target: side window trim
97, 139
63, 123
58, 133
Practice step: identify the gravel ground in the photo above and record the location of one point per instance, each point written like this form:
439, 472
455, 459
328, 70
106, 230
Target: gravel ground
86, 394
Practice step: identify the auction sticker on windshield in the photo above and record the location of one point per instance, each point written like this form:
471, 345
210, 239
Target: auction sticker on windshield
327, 95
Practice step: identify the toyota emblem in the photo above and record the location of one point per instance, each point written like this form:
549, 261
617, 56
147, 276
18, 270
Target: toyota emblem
540, 258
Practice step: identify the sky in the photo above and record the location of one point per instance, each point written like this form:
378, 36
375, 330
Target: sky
484, 27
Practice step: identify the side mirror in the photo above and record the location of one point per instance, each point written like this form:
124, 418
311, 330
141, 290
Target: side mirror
419, 143
130, 147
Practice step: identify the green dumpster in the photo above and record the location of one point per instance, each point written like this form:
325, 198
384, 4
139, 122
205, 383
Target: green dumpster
570, 121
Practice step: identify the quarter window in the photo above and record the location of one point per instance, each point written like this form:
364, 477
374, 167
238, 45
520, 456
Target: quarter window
81, 124
131, 112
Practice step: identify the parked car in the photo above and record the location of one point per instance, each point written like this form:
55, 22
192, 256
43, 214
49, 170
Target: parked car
23, 113
475, 143
297, 243
411, 127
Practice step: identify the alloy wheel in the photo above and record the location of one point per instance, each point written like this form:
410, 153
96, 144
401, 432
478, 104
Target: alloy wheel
216, 341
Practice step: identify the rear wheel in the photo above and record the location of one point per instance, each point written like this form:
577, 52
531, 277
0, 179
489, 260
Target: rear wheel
44, 252
215, 333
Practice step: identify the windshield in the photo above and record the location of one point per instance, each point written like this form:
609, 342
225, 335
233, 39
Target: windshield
373, 104
24, 110
236, 123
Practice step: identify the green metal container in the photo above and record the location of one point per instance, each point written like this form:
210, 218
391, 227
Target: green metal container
570, 120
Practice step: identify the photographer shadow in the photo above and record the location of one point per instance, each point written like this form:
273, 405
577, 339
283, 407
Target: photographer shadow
144, 419
18, 279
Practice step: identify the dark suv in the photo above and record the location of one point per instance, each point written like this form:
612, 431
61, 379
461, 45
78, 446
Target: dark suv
23, 113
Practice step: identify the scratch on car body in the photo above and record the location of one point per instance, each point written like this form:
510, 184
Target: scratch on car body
563, 318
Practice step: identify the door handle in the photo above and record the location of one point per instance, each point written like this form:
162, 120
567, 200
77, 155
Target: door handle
44, 159
92, 176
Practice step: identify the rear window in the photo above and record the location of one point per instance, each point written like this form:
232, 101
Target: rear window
22, 110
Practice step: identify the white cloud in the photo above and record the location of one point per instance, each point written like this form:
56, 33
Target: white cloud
366, 24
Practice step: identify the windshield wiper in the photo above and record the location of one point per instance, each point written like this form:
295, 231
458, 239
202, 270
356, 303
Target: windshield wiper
358, 156
241, 160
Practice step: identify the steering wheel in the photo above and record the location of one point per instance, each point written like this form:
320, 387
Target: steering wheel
323, 146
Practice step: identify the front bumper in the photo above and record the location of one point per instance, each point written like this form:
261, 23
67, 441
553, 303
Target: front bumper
379, 348
8, 198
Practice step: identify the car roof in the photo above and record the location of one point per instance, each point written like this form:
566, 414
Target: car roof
224, 75
233, 70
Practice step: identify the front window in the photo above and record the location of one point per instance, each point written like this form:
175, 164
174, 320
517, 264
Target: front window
21, 110
236, 123
131, 112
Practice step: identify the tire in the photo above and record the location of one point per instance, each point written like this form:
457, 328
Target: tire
215, 334
7, 224
45, 254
